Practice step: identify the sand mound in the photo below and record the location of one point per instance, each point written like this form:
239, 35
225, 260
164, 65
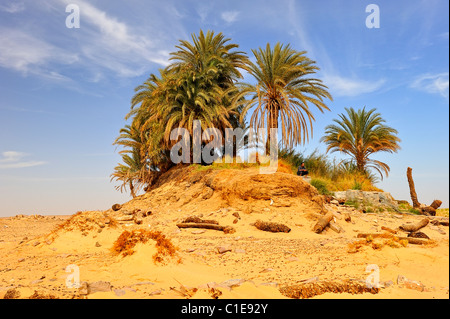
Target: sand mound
189, 188
139, 250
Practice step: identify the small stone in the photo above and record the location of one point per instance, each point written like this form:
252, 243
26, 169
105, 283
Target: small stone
119, 292
156, 292
231, 283
223, 249
83, 289
99, 286
266, 270
97, 244
402, 281
116, 207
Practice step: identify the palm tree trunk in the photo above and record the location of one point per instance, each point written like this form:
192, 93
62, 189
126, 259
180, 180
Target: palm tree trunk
272, 123
412, 189
132, 189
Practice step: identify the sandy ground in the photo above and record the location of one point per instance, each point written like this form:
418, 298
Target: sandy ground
37, 257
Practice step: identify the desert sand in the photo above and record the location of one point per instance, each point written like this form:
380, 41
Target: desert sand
38, 254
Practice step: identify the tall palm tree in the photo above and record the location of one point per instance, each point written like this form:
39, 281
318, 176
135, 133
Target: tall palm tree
204, 73
284, 92
360, 134
131, 173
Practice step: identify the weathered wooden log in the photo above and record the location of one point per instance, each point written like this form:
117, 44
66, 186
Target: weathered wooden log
198, 220
225, 229
436, 204
271, 227
442, 222
418, 234
412, 189
335, 226
415, 227
323, 222
428, 210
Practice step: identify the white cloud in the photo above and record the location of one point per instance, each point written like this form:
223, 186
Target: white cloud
28, 54
13, 7
341, 86
13, 159
112, 44
433, 83
230, 16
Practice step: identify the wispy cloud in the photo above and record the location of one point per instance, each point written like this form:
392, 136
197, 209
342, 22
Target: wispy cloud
13, 159
433, 83
27, 54
104, 46
111, 44
230, 16
13, 7
341, 86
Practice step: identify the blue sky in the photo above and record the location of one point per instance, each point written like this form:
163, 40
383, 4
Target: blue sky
64, 92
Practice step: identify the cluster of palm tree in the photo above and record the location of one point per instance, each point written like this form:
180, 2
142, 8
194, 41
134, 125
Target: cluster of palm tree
203, 83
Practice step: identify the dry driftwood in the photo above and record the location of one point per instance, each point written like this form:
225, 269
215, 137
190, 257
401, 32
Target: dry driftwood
335, 226
418, 234
436, 204
437, 222
428, 211
225, 229
415, 227
198, 220
271, 227
323, 222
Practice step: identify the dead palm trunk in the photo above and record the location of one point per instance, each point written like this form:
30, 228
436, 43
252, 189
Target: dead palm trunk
412, 189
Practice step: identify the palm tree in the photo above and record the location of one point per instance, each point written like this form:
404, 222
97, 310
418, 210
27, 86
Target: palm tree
359, 134
203, 75
284, 92
198, 85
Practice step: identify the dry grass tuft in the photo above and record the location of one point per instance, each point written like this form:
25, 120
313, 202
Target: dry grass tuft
387, 239
125, 243
309, 290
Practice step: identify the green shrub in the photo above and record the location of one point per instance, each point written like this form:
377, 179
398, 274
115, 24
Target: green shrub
321, 186
357, 186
